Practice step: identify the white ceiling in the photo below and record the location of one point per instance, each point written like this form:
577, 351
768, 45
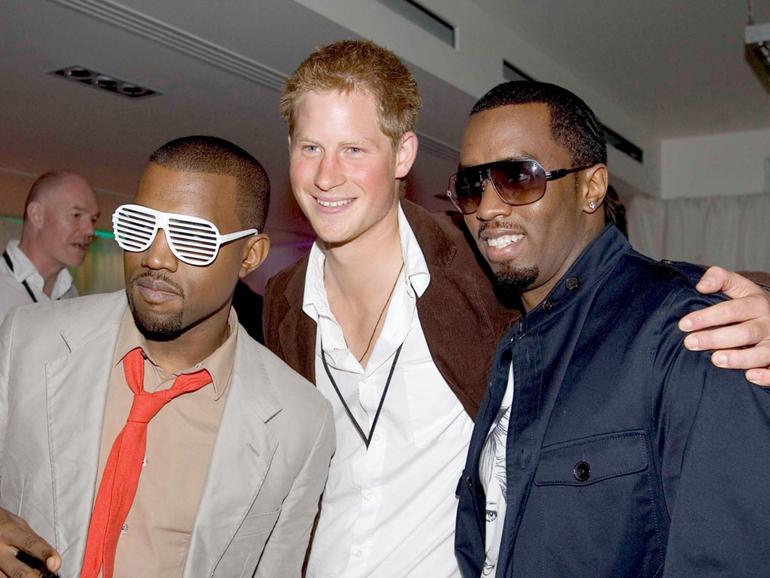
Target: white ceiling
218, 72
678, 66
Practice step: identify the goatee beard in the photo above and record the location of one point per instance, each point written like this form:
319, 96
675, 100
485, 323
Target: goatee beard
158, 329
516, 281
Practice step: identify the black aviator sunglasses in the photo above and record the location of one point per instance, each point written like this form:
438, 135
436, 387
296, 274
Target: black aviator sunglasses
515, 182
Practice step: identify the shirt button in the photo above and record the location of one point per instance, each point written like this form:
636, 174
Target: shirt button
547, 305
573, 283
357, 553
376, 437
369, 496
582, 471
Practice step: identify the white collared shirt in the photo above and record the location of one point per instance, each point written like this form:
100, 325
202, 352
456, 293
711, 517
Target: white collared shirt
12, 291
388, 511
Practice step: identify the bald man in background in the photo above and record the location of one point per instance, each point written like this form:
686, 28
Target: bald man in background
59, 217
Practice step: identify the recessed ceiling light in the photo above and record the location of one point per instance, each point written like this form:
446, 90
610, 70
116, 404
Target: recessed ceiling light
106, 82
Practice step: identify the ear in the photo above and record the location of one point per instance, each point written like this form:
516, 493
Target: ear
595, 188
405, 154
36, 214
254, 253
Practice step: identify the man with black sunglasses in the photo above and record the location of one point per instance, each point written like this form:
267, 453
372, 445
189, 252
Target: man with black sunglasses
602, 446
144, 433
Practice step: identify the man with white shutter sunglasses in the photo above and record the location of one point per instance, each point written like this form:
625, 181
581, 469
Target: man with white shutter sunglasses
145, 433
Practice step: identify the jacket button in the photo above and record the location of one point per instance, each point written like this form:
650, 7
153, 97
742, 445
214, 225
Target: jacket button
572, 283
547, 305
582, 471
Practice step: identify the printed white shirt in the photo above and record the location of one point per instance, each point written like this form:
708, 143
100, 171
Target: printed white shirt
494, 477
12, 291
388, 511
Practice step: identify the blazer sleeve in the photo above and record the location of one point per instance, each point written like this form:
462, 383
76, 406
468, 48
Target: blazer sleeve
714, 446
5, 368
285, 549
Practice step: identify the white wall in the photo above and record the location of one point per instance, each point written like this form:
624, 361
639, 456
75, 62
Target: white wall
714, 165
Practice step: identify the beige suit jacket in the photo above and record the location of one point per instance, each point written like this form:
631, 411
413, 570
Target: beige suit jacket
267, 469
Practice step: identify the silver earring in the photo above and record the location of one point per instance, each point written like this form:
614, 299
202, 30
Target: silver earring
591, 205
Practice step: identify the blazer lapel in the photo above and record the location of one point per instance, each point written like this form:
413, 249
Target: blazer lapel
76, 390
240, 461
458, 297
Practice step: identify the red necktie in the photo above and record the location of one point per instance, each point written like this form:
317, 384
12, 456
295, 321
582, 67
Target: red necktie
124, 464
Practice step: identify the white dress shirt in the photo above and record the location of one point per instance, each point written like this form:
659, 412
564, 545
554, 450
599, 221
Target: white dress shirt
12, 291
388, 511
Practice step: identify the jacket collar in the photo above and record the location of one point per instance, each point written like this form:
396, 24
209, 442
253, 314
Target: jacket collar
588, 271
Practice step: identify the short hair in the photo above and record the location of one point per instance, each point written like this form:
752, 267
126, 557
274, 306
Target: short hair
45, 183
573, 124
350, 65
208, 154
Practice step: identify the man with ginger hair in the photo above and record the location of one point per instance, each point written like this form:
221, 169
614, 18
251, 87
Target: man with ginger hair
374, 293
59, 217
390, 315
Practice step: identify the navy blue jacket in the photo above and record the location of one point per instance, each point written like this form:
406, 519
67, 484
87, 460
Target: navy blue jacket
627, 455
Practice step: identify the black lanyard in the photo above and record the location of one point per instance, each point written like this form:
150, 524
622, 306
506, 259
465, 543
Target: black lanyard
345, 405
26, 286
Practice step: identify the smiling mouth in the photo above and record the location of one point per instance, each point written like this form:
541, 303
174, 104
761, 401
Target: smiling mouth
334, 204
503, 241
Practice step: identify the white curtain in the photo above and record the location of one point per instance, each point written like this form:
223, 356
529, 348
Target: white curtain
730, 231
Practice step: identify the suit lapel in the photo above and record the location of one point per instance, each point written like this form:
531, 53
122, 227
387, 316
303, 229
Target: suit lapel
239, 463
76, 390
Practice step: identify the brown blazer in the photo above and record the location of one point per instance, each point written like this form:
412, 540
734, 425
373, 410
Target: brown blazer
460, 316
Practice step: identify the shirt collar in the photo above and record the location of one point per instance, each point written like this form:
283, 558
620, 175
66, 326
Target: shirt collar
415, 265
219, 364
316, 304
25, 270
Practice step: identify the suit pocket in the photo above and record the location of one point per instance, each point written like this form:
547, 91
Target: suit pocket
246, 547
597, 495
591, 460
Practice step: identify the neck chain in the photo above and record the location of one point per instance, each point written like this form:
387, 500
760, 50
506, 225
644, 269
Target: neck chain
382, 312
